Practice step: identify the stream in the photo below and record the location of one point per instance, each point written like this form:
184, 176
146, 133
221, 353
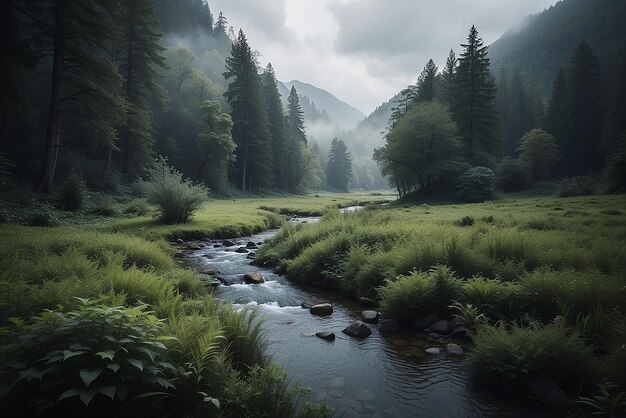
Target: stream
383, 375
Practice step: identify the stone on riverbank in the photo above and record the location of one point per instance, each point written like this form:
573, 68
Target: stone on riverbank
433, 350
454, 350
440, 327
253, 278
425, 321
357, 330
241, 250
367, 302
322, 309
251, 245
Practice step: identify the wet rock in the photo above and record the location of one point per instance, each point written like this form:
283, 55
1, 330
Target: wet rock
328, 336
433, 350
460, 332
230, 280
307, 305
441, 327
425, 321
358, 330
217, 245
454, 350
365, 395
388, 326
371, 317
179, 254
210, 272
228, 243
547, 391
251, 255
180, 241
259, 243
322, 309
434, 335
367, 302
241, 250
195, 247
251, 245
253, 278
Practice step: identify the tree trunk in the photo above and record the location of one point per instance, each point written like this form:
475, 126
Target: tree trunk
54, 113
244, 167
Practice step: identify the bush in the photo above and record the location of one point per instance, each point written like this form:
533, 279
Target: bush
105, 207
512, 175
176, 198
62, 362
506, 356
42, 218
137, 207
74, 192
465, 221
477, 184
575, 186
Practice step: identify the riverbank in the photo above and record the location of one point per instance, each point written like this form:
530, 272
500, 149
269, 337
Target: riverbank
100, 306
552, 270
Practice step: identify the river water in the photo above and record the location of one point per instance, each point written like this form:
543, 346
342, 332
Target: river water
383, 375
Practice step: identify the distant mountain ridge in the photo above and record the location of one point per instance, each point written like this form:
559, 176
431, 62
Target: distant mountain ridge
324, 104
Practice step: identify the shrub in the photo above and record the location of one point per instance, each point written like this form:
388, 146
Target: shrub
105, 207
62, 362
73, 192
176, 198
509, 355
465, 221
477, 184
137, 207
575, 186
42, 218
512, 175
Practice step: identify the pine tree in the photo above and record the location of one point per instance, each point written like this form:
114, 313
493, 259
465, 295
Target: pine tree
276, 120
295, 136
217, 143
250, 126
474, 102
339, 167
555, 122
139, 55
446, 84
503, 107
426, 83
584, 112
84, 80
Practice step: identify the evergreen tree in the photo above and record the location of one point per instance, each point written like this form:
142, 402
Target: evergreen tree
615, 125
474, 102
584, 112
140, 55
555, 122
295, 136
502, 107
276, 120
446, 83
339, 167
250, 127
219, 149
84, 80
426, 82
220, 30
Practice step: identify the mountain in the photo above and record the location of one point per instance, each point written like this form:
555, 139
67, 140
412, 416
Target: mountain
544, 43
322, 104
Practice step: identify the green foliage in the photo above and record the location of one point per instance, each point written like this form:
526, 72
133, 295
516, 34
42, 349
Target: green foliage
467, 315
105, 207
539, 153
493, 297
512, 176
576, 186
608, 401
422, 149
339, 167
176, 198
58, 361
506, 355
477, 184
419, 293
137, 207
42, 217
74, 191
465, 221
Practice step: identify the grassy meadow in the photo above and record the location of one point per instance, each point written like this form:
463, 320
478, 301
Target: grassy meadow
512, 270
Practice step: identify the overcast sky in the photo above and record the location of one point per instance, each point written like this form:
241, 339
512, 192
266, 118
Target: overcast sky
365, 51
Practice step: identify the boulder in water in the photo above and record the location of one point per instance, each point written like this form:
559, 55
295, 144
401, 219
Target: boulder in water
251, 255
367, 302
454, 350
228, 243
328, 336
241, 250
433, 350
210, 272
322, 309
357, 330
251, 245
253, 278
371, 317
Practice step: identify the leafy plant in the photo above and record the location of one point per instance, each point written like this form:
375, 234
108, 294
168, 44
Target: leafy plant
467, 315
176, 198
608, 402
73, 192
512, 175
477, 184
575, 186
65, 361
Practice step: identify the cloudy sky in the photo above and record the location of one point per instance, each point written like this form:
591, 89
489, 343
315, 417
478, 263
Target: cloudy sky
365, 51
